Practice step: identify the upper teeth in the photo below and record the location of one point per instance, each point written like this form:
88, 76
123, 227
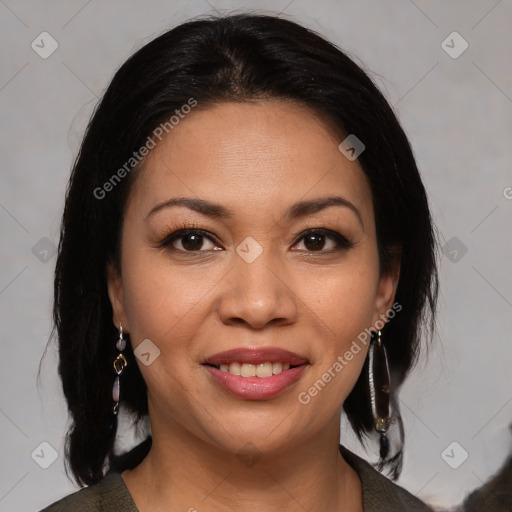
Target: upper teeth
255, 370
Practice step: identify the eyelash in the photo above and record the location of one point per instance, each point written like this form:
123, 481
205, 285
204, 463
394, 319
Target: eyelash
176, 231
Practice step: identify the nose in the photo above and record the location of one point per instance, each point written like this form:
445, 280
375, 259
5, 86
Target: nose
258, 293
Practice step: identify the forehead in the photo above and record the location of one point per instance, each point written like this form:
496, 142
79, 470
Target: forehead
250, 156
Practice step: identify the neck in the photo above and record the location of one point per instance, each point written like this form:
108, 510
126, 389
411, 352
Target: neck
184, 472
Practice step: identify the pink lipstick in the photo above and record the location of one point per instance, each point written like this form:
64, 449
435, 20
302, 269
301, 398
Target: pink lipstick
256, 373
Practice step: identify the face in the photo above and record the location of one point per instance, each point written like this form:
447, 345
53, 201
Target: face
268, 273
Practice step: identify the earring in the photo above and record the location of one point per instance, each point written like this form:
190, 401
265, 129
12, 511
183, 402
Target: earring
120, 363
380, 389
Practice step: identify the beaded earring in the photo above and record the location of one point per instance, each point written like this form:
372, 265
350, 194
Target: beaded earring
120, 363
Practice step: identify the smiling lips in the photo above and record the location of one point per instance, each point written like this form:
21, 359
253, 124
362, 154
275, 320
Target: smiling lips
256, 374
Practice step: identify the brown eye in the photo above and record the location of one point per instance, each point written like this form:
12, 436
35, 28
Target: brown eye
188, 241
191, 242
316, 241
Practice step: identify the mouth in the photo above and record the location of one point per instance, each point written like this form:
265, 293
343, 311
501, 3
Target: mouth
256, 374
261, 370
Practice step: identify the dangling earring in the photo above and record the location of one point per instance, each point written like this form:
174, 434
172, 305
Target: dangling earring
120, 363
380, 389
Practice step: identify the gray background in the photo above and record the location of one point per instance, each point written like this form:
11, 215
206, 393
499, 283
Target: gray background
458, 115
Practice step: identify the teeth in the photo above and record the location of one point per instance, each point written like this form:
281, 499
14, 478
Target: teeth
234, 368
264, 370
255, 370
277, 368
248, 370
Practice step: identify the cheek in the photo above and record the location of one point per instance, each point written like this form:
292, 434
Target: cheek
345, 300
158, 298
164, 305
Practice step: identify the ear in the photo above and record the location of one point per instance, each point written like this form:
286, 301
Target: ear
387, 286
115, 294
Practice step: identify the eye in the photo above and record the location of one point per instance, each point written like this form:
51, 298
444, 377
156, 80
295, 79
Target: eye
316, 240
189, 240
193, 240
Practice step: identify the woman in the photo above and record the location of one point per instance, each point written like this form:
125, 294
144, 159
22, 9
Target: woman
246, 249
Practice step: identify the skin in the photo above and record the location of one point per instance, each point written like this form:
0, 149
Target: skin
257, 159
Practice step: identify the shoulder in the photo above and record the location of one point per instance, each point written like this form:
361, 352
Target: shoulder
111, 494
379, 493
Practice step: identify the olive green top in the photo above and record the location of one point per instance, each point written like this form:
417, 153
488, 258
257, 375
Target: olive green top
111, 494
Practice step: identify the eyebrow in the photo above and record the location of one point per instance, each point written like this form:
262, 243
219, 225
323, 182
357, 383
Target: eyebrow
298, 210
